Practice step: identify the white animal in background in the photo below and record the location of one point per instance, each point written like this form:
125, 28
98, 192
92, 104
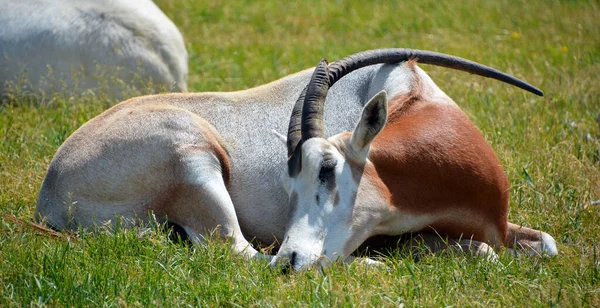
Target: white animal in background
106, 45
414, 162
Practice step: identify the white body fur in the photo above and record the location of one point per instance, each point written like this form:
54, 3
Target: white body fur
52, 42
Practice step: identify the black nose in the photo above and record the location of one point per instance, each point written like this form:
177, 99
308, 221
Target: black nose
293, 259
287, 266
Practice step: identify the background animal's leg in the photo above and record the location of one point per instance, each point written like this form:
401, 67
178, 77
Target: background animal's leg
202, 203
529, 241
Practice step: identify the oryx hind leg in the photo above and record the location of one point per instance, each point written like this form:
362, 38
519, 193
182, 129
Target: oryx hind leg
436, 243
201, 203
522, 240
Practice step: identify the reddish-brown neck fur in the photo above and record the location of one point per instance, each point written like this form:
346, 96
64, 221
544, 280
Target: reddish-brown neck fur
434, 161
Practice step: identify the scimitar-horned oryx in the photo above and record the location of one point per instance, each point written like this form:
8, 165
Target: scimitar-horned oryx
103, 46
208, 160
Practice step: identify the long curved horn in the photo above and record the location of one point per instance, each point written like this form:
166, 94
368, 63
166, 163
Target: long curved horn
306, 120
340, 68
344, 66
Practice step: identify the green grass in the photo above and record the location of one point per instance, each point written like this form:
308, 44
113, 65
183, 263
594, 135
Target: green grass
549, 147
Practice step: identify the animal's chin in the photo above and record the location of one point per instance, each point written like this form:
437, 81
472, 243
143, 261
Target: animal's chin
319, 263
302, 263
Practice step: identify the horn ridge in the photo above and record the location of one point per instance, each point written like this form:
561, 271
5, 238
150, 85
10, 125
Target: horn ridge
294, 127
306, 120
314, 102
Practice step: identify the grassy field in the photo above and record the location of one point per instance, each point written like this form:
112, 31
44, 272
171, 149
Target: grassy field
549, 147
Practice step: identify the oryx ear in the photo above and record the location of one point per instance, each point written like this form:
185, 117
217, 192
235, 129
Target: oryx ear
279, 136
372, 121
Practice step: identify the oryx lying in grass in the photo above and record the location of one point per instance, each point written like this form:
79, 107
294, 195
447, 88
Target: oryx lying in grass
208, 160
88, 44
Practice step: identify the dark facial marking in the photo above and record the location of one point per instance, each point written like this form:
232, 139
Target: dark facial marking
336, 199
327, 171
327, 174
293, 202
295, 162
